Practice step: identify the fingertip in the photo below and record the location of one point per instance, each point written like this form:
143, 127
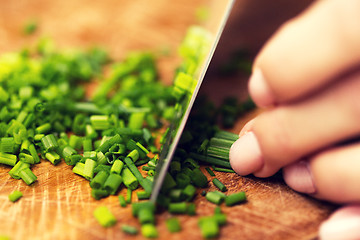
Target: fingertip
298, 177
245, 154
344, 223
259, 90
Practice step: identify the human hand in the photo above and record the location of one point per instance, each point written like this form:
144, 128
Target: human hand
307, 78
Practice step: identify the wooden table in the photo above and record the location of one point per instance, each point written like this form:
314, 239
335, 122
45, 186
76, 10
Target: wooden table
59, 205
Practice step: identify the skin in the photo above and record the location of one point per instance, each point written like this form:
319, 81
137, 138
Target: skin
307, 78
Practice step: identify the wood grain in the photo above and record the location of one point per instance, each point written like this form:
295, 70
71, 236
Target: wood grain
59, 205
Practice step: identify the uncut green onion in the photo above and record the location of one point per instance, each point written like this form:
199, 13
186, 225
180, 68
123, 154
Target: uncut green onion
219, 185
98, 181
216, 152
210, 160
235, 198
218, 169
27, 176
173, 225
15, 195
129, 229
8, 159
226, 135
104, 217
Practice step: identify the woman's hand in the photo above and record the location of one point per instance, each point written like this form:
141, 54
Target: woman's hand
307, 77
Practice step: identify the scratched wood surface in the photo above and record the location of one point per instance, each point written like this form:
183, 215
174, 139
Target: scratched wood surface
59, 205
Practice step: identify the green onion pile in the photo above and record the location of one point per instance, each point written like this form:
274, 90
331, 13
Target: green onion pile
107, 137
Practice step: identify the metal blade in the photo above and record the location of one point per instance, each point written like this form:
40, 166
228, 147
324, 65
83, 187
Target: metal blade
215, 26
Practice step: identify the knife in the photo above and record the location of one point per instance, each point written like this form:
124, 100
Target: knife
215, 27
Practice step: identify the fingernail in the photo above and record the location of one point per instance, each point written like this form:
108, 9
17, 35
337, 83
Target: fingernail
299, 178
342, 224
259, 90
245, 154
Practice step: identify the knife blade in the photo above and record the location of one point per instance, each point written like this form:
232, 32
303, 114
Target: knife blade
215, 28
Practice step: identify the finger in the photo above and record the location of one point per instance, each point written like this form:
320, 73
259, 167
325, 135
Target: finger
307, 53
287, 133
331, 175
344, 223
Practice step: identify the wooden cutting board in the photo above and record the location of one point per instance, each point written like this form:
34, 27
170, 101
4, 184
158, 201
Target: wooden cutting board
59, 205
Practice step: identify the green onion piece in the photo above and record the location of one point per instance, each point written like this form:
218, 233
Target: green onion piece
169, 183
53, 157
147, 185
15, 195
148, 230
113, 183
134, 155
27, 176
79, 168
27, 158
176, 195
129, 229
191, 210
141, 195
122, 201
235, 198
210, 171
182, 180
104, 217
217, 210
99, 193
14, 172
220, 218
8, 159
89, 168
209, 227
189, 191
105, 146
136, 206
117, 167
73, 159
98, 181
43, 129
7, 145
128, 195
33, 152
173, 225
136, 120
146, 215
100, 122
214, 197
198, 178
101, 158
49, 142
219, 185
87, 145
130, 181
75, 142
180, 207
90, 132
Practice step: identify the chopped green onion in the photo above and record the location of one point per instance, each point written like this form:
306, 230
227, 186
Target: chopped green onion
219, 185
173, 225
98, 181
122, 201
210, 171
104, 217
235, 198
27, 176
180, 207
129, 229
215, 197
14, 172
8, 159
112, 183
117, 167
148, 230
89, 168
15, 195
